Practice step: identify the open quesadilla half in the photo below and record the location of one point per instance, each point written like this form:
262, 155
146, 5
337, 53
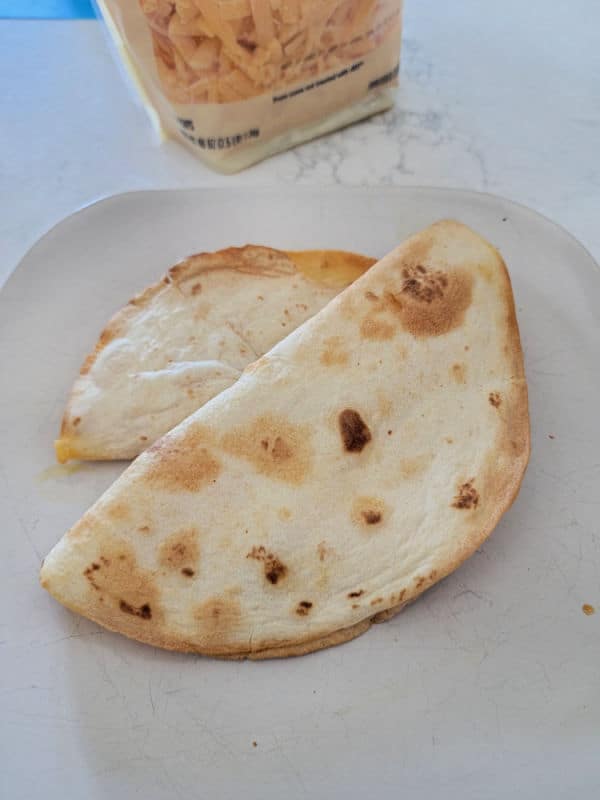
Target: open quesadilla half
357, 463
185, 339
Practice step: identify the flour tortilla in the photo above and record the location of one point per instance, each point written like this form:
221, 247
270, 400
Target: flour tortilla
189, 337
356, 464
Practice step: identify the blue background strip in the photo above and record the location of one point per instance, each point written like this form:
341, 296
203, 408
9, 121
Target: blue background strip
46, 9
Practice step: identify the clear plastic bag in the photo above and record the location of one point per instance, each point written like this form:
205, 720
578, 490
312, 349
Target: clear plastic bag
238, 80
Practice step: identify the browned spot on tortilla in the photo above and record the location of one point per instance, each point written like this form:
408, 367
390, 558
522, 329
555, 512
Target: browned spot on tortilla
117, 511
333, 353
354, 431
323, 550
424, 284
371, 296
376, 601
368, 512
275, 570
144, 611
180, 550
76, 421
588, 610
355, 605
467, 496
124, 585
449, 440
144, 529
459, 373
89, 574
495, 399
182, 462
196, 288
358, 593
201, 311
433, 575
287, 455
486, 272
431, 302
414, 467
376, 329
419, 582
218, 616
303, 608
143, 438
188, 572
284, 514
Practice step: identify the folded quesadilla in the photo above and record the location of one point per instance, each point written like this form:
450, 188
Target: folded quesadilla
185, 339
350, 468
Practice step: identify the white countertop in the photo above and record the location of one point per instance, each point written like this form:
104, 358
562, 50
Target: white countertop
496, 97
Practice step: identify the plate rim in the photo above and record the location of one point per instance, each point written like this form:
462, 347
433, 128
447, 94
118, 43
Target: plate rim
105, 199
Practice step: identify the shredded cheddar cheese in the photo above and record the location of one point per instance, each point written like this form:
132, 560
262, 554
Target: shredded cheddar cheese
219, 51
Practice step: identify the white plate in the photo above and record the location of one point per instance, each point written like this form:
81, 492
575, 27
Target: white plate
490, 684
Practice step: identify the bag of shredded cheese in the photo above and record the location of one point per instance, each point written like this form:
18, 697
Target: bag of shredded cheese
239, 80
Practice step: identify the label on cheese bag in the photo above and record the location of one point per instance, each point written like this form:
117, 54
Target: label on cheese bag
238, 80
